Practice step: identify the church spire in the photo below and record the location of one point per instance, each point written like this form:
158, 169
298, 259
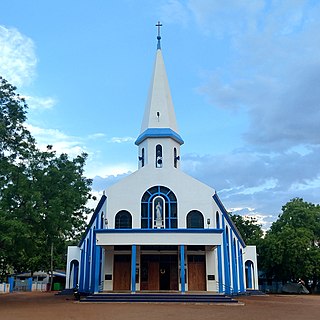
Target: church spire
159, 117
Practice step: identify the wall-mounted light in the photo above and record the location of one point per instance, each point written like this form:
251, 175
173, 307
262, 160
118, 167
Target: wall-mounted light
106, 222
208, 222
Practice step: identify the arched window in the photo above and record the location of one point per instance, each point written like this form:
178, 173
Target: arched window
175, 158
123, 220
159, 156
195, 220
217, 220
142, 157
159, 208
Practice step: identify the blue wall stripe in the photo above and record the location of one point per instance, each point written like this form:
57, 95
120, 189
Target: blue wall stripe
182, 271
133, 267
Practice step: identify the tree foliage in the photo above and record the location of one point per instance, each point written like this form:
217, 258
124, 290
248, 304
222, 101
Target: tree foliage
249, 229
290, 249
42, 194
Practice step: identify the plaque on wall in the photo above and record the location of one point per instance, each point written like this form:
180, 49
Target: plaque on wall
108, 277
211, 277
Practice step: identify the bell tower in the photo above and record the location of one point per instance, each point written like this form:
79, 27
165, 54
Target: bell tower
159, 141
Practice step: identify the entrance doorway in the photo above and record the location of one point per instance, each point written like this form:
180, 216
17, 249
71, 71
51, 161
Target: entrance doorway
122, 272
159, 272
196, 273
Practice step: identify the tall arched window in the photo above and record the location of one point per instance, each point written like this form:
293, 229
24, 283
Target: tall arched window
195, 220
159, 208
142, 157
159, 156
123, 220
217, 220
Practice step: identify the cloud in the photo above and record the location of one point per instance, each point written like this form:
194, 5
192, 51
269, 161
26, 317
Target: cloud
17, 57
275, 72
61, 142
99, 183
121, 139
173, 11
39, 102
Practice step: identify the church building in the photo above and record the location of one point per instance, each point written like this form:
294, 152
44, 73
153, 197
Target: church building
159, 228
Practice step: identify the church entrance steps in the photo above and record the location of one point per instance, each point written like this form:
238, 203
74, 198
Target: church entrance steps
160, 297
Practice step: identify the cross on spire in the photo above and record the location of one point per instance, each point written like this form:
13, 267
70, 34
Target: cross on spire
159, 25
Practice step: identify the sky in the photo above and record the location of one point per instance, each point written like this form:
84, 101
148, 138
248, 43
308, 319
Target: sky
244, 77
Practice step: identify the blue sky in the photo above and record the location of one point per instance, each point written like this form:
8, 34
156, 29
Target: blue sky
244, 76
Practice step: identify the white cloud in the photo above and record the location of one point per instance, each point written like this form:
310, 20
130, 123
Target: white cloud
39, 102
17, 57
61, 143
173, 11
121, 139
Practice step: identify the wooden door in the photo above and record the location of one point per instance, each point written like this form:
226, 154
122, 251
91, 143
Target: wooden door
154, 280
122, 272
196, 273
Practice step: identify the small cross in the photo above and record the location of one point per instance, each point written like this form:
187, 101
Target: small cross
158, 37
158, 25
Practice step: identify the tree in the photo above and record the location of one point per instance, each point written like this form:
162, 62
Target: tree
42, 195
249, 229
290, 249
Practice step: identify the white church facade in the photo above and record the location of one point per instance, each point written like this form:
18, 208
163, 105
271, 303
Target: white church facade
160, 229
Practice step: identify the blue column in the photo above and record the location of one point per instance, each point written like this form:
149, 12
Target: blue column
96, 264
29, 287
234, 266
182, 271
226, 259
81, 275
133, 268
241, 275
220, 269
11, 284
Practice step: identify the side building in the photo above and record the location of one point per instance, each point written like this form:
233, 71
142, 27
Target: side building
160, 229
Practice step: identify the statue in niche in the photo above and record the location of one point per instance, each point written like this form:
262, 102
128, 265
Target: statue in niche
159, 211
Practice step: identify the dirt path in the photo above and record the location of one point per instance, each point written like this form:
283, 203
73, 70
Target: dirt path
47, 306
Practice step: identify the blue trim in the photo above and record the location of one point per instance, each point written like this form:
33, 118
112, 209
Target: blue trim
220, 269
227, 217
234, 266
182, 271
241, 275
81, 276
88, 264
11, 284
163, 231
93, 218
29, 287
133, 267
159, 133
96, 265
226, 260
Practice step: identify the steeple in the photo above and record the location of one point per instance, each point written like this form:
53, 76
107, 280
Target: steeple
159, 117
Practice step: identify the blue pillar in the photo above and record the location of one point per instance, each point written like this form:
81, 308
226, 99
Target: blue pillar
29, 287
182, 271
11, 284
220, 269
226, 259
234, 266
241, 275
133, 268
96, 264
81, 275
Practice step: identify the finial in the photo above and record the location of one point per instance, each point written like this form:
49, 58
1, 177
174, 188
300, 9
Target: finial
158, 37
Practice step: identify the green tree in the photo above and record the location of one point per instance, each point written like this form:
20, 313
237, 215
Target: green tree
290, 249
42, 195
249, 229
